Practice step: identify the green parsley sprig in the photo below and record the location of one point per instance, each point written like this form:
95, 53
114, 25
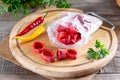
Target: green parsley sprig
101, 51
26, 5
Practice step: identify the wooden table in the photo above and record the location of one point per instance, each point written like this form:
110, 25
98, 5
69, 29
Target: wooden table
106, 8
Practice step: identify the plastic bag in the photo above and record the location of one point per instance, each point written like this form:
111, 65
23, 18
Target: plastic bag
72, 29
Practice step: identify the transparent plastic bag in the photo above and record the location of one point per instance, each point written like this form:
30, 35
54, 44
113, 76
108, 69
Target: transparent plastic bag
72, 29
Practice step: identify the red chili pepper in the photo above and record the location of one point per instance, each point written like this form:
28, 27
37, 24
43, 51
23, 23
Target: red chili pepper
71, 54
48, 55
35, 23
61, 54
38, 47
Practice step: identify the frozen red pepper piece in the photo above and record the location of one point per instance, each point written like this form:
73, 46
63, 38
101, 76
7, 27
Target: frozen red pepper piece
78, 37
62, 16
71, 54
66, 40
86, 28
79, 18
48, 55
61, 28
61, 35
71, 30
61, 54
68, 35
38, 47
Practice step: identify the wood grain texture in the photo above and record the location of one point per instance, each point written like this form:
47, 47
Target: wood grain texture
107, 77
106, 8
6, 27
61, 69
118, 2
21, 77
17, 70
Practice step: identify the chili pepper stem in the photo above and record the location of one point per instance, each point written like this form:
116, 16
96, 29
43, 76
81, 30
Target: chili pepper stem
45, 14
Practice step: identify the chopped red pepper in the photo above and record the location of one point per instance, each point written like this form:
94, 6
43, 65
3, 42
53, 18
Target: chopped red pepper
86, 28
61, 28
61, 54
64, 37
68, 35
48, 55
71, 54
79, 18
35, 23
38, 47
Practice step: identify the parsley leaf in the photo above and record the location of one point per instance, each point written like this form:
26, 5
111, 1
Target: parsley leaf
27, 5
101, 51
92, 54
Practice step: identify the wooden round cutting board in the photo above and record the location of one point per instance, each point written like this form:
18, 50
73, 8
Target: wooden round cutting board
64, 68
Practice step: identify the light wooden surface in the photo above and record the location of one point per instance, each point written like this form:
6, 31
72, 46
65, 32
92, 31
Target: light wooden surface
65, 68
7, 55
118, 2
106, 8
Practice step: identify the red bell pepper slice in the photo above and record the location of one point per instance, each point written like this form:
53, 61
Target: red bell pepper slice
48, 55
66, 40
61, 54
38, 47
71, 54
61, 35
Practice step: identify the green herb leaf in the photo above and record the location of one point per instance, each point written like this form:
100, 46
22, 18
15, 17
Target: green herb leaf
98, 44
1, 11
5, 8
26, 5
101, 53
15, 13
91, 53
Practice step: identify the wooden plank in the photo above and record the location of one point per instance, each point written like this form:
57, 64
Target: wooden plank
103, 7
113, 67
21, 77
31, 76
118, 51
7, 67
107, 77
1, 38
9, 17
37, 77
117, 30
6, 27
